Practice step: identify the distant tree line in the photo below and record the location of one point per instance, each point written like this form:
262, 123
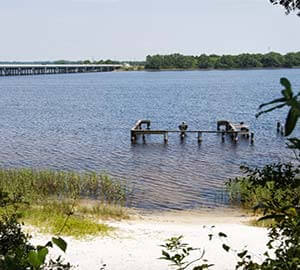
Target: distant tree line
213, 61
87, 62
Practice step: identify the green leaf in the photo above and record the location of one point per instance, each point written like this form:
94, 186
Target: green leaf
166, 254
203, 266
295, 143
49, 244
42, 253
285, 82
224, 246
242, 254
271, 109
222, 234
272, 102
288, 88
34, 259
291, 121
61, 243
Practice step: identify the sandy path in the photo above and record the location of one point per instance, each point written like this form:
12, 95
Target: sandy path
135, 243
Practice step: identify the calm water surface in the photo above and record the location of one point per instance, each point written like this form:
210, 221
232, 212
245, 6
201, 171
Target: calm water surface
82, 121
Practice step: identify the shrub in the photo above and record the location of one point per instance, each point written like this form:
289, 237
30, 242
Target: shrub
278, 183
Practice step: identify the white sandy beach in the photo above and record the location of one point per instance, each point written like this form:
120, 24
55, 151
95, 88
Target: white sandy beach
134, 245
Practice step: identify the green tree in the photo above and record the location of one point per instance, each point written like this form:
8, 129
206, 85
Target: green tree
292, 60
226, 62
289, 5
247, 60
205, 62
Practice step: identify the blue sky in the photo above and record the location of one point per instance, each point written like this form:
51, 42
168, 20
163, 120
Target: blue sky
132, 29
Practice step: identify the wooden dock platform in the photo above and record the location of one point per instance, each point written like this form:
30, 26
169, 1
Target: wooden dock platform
143, 127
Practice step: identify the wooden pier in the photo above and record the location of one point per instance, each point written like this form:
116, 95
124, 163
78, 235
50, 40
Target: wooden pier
143, 127
24, 69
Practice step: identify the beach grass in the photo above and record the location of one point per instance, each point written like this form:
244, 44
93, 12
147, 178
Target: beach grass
36, 185
62, 218
66, 203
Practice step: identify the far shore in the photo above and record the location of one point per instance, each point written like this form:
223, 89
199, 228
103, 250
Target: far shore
217, 69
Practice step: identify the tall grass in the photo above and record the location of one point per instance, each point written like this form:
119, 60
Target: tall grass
36, 185
51, 217
53, 196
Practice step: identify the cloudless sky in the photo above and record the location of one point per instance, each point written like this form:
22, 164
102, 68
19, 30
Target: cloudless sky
33, 30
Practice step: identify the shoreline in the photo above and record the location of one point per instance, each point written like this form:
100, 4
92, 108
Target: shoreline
216, 69
135, 243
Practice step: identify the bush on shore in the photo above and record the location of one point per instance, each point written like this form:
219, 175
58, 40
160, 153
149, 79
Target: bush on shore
277, 183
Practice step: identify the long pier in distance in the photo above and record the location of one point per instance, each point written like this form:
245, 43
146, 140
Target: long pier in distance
39, 69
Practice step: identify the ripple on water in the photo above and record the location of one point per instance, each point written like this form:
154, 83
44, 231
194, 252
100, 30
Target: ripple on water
82, 121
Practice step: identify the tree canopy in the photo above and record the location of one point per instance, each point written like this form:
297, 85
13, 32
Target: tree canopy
289, 5
241, 61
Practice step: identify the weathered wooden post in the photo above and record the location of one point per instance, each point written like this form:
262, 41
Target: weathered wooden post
282, 130
252, 138
223, 136
133, 136
235, 137
166, 137
278, 126
199, 136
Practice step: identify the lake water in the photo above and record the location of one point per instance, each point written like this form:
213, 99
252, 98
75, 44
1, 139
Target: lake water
82, 122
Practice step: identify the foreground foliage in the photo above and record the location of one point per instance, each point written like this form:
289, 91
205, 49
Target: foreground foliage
16, 252
289, 5
276, 191
178, 254
276, 183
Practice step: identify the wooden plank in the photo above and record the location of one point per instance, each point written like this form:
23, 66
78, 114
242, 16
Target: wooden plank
147, 131
153, 131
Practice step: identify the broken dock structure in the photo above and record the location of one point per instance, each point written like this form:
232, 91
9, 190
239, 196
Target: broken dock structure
143, 128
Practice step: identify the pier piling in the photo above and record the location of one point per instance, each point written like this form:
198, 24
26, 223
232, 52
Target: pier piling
282, 130
200, 137
223, 136
278, 126
252, 138
166, 137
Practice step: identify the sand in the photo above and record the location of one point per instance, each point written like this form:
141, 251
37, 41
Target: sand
134, 245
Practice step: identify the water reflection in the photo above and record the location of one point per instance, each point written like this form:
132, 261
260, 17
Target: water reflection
82, 122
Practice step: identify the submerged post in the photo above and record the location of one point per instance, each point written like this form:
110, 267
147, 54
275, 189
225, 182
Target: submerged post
223, 136
199, 137
252, 137
282, 130
166, 137
183, 127
133, 136
278, 126
235, 137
